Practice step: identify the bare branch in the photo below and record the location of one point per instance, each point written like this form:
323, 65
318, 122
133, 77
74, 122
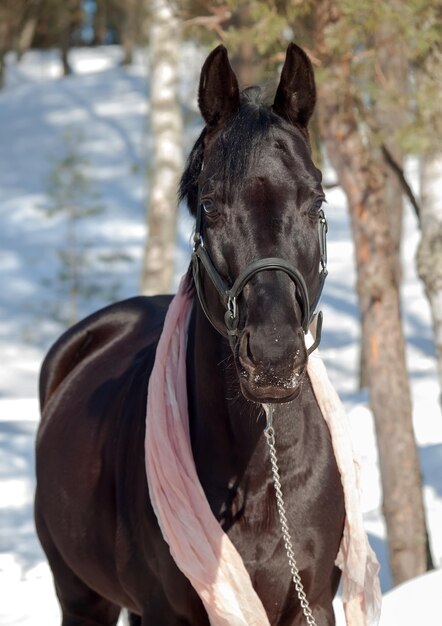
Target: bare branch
399, 172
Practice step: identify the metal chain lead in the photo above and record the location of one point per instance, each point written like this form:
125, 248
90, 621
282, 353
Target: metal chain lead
269, 433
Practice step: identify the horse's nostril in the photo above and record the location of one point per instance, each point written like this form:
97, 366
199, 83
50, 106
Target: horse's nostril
245, 351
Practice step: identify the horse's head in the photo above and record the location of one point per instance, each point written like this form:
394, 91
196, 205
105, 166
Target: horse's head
259, 246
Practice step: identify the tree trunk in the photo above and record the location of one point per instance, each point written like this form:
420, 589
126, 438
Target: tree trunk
72, 260
166, 151
100, 23
389, 111
363, 180
64, 37
6, 33
2, 69
26, 36
130, 30
27, 30
429, 256
244, 62
392, 73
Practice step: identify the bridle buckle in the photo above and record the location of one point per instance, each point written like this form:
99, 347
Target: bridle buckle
231, 318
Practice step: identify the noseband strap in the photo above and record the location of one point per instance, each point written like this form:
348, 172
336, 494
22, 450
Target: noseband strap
229, 294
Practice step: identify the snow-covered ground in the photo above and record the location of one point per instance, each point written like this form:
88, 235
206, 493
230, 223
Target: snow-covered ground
107, 105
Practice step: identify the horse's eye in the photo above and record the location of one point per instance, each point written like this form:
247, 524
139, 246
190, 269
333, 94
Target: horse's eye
208, 206
316, 207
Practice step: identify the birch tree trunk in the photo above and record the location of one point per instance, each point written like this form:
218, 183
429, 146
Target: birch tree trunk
429, 256
166, 152
361, 174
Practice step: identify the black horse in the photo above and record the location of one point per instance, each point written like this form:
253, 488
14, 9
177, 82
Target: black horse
251, 184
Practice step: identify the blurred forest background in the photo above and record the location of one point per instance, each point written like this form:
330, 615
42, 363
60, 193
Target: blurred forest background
378, 69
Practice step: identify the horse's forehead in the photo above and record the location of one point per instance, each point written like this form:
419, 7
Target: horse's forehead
286, 151
275, 156
284, 161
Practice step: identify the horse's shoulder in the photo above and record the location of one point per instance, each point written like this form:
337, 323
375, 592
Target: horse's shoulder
123, 327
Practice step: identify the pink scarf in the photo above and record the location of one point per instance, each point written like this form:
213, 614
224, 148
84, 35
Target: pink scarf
199, 546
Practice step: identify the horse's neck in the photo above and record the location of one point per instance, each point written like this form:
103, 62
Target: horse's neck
227, 430
214, 393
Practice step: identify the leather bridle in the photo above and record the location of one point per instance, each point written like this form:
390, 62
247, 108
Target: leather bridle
229, 294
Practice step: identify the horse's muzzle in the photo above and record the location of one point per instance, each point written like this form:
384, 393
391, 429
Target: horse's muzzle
271, 369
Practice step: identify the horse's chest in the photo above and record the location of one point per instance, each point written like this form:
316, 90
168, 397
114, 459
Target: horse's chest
255, 527
313, 500
257, 536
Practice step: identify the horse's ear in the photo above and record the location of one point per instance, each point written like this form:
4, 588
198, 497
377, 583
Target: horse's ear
296, 94
218, 95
